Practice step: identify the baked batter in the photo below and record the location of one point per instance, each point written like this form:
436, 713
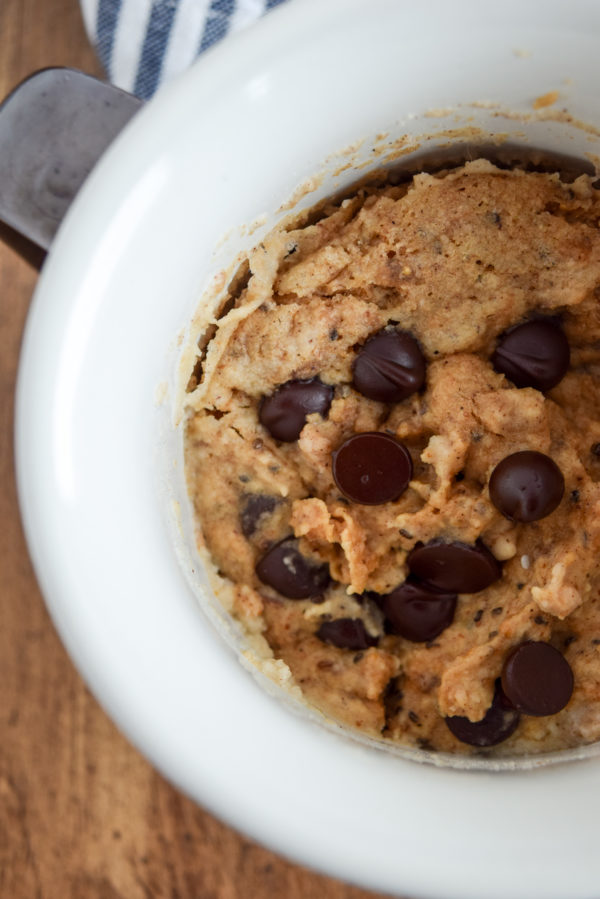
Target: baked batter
393, 452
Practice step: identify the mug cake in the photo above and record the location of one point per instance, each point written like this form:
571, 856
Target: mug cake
392, 449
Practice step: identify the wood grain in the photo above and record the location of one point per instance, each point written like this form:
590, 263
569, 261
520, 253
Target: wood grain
82, 815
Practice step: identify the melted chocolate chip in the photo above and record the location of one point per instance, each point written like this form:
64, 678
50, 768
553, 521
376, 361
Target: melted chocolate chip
417, 613
389, 367
537, 679
285, 569
346, 633
526, 486
372, 468
253, 507
284, 412
497, 725
454, 567
534, 354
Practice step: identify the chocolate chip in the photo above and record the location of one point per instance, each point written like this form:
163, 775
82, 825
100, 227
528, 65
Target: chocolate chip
478, 616
285, 569
253, 507
417, 613
595, 449
497, 725
372, 468
454, 567
346, 633
526, 486
284, 412
389, 367
534, 354
537, 679
574, 496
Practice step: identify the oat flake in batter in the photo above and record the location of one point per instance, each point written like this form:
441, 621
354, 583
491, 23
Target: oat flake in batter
393, 452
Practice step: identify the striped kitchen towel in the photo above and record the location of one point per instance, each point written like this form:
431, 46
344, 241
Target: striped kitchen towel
143, 43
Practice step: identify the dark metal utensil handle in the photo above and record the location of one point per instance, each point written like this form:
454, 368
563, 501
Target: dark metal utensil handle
54, 127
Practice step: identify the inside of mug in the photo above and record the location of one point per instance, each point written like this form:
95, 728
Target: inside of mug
546, 140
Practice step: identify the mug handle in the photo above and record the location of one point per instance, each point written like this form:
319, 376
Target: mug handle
54, 126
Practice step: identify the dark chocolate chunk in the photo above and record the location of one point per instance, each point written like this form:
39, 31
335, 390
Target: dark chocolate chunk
534, 354
346, 633
372, 468
537, 679
389, 367
252, 508
499, 722
454, 567
526, 486
284, 412
417, 613
285, 569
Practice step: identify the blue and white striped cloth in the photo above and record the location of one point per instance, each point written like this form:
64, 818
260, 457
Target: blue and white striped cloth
143, 43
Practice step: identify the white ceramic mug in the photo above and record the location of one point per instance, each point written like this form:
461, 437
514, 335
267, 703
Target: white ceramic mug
313, 86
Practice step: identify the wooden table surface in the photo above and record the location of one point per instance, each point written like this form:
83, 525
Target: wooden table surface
82, 814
